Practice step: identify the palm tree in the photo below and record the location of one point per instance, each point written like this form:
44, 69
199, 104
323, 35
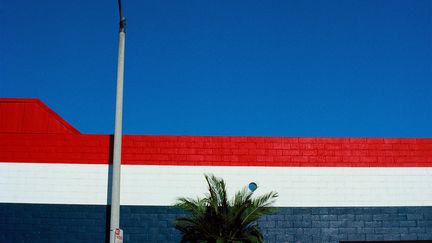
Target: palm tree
215, 219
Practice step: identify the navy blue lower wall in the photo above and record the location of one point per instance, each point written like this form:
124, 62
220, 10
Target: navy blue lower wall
79, 223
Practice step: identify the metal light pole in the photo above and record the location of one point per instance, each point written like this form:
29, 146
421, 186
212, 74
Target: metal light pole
115, 190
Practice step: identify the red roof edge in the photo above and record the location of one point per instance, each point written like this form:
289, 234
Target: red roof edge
45, 107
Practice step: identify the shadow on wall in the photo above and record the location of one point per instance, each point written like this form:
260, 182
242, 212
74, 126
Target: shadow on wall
110, 168
109, 190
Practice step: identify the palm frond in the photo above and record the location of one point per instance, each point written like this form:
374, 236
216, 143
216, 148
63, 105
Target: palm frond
260, 207
214, 218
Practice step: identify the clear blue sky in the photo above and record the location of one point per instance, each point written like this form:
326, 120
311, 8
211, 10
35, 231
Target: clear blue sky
274, 68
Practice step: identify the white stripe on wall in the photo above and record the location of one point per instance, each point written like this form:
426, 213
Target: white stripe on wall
161, 185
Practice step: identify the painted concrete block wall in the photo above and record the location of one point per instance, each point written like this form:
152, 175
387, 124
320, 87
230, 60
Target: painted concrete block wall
218, 151
83, 223
162, 185
54, 182
348, 224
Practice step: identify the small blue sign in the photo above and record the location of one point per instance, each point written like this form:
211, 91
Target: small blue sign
253, 186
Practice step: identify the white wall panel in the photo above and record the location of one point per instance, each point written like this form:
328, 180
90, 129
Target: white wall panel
53, 183
161, 185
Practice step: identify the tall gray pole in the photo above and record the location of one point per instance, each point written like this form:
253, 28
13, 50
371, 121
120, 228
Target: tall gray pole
115, 189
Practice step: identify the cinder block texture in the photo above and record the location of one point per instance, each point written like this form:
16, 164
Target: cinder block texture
218, 151
80, 223
87, 184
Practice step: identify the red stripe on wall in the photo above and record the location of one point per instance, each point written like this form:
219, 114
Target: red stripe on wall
218, 151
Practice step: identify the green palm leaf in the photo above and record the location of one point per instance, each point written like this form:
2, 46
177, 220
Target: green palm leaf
216, 219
